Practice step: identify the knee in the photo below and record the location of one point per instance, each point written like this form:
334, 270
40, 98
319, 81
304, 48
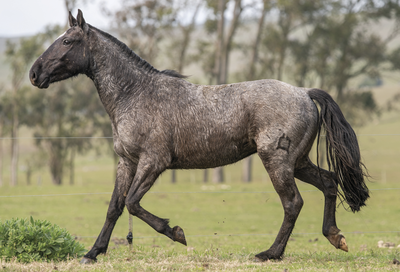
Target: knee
132, 206
292, 208
114, 211
113, 216
298, 202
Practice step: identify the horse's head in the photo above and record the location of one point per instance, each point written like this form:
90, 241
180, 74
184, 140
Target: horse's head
68, 56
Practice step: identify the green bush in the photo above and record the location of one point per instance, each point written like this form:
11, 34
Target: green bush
36, 240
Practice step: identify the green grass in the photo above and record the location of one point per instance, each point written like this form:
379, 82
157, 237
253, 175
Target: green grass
225, 228
225, 225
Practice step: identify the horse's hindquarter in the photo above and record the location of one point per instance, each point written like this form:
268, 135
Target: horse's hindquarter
285, 118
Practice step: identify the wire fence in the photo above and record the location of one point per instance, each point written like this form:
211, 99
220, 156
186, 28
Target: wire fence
193, 192
130, 236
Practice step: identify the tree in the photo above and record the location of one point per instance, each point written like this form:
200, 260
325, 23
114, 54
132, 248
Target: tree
33, 164
351, 44
186, 12
256, 43
61, 118
1, 148
143, 24
276, 36
3, 120
19, 56
223, 43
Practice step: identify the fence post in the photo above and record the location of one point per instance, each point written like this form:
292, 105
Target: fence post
130, 236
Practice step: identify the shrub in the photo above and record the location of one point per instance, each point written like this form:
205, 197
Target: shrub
36, 240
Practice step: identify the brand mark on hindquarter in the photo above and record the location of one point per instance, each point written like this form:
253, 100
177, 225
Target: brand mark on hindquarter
284, 143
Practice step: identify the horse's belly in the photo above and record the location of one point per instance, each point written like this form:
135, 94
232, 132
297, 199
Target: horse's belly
211, 156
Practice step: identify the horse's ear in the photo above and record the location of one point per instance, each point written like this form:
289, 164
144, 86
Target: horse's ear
72, 20
81, 21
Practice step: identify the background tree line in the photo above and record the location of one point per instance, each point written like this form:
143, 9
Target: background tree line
311, 43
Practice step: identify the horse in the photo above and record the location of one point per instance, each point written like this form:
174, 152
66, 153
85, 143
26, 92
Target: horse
161, 121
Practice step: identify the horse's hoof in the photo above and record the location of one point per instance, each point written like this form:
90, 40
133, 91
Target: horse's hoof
87, 261
261, 257
178, 235
259, 260
343, 244
265, 256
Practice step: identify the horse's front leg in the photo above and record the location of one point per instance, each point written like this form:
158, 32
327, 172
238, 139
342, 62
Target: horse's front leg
145, 177
125, 174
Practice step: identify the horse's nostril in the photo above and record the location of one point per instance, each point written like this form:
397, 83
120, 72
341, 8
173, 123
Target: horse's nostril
33, 77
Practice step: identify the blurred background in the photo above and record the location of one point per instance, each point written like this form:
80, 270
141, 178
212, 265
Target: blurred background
58, 140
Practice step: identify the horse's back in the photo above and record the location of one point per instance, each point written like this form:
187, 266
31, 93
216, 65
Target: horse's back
262, 104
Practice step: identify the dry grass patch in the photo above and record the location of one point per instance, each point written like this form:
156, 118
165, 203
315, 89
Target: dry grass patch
150, 259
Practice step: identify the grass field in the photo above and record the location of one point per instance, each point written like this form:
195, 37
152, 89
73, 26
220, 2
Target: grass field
225, 228
225, 224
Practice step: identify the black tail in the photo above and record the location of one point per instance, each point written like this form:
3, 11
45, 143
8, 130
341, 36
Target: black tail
343, 153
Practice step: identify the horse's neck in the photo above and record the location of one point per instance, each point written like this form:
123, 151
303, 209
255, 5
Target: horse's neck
114, 75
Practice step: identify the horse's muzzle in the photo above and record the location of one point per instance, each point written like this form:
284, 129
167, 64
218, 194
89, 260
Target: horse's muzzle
34, 77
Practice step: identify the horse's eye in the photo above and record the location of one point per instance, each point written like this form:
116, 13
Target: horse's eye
66, 42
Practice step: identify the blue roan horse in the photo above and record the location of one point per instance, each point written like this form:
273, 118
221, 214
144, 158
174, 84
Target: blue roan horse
160, 121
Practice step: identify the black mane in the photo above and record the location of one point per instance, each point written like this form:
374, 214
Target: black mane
141, 63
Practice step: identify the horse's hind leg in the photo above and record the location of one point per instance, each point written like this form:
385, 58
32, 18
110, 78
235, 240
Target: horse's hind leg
306, 171
124, 178
145, 177
281, 172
